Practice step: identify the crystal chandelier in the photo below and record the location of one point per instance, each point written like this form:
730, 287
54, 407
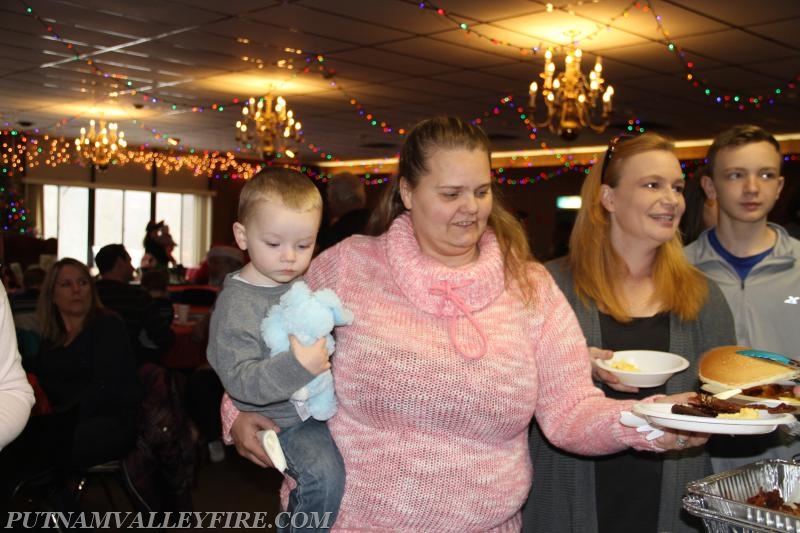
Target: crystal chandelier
265, 126
571, 99
99, 146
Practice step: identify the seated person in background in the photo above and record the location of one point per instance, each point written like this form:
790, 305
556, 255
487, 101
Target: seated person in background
155, 283
11, 282
134, 304
221, 259
23, 304
203, 387
26, 300
346, 210
158, 256
87, 369
701, 211
755, 263
166, 241
23, 309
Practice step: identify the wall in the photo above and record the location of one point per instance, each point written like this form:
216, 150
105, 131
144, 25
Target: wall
224, 209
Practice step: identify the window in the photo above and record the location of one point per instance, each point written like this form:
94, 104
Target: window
135, 214
65, 217
122, 216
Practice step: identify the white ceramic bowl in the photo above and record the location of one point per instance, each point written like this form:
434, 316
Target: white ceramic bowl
653, 368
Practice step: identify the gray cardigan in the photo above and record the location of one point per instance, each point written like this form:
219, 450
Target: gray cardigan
562, 498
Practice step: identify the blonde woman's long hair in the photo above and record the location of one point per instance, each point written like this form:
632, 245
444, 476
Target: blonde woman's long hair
598, 270
450, 133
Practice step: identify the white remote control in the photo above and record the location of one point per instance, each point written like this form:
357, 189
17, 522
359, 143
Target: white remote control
269, 440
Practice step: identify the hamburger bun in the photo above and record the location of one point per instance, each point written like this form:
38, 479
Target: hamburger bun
724, 367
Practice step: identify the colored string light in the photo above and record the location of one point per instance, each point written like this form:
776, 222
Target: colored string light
730, 101
317, 63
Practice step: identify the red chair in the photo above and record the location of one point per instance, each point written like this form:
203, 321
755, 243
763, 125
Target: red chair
42, 405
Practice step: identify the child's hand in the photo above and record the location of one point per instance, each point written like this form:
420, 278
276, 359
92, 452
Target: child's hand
314, 358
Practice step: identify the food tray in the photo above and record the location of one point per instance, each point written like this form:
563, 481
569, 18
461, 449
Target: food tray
720, 499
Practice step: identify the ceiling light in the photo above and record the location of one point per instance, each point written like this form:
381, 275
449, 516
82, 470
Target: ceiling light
97, 147
266, 124
572, 100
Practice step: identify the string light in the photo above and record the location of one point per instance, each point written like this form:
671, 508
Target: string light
317, 63
732, 101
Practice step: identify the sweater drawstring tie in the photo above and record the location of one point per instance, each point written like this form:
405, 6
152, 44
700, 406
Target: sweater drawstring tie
445, 289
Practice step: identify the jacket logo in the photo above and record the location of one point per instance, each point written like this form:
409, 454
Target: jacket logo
795, 300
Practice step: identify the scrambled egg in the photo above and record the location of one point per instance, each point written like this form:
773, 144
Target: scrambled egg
624, 365
745, 413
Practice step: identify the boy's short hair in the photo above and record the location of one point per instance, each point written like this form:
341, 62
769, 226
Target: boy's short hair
288, 186
738, 136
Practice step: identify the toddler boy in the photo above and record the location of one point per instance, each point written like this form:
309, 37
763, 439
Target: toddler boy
279, 216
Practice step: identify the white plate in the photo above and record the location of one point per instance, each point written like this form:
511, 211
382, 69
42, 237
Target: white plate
660, 414
714, 389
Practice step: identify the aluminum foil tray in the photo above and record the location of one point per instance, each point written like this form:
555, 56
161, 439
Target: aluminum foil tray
720, 499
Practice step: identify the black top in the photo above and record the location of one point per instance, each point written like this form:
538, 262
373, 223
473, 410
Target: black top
628, 484
96, 372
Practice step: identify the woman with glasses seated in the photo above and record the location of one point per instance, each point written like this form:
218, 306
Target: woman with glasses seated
631, 287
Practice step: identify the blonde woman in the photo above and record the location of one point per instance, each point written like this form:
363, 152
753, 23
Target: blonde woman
631, 287
87, 371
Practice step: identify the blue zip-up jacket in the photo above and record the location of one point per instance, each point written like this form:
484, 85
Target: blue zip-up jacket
766, 311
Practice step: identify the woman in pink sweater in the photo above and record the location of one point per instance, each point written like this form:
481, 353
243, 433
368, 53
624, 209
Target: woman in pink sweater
459, 339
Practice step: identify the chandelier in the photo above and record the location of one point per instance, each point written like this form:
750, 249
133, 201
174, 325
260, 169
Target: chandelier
99, 146
571, 99
265, 126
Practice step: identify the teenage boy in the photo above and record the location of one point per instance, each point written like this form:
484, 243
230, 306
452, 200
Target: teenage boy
755, 263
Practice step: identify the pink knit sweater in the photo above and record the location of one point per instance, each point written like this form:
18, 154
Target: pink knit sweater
433, 430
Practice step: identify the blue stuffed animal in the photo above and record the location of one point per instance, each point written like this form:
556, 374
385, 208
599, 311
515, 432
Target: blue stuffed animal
308, 316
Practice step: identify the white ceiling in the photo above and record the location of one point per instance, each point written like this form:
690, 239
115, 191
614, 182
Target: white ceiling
398, 59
